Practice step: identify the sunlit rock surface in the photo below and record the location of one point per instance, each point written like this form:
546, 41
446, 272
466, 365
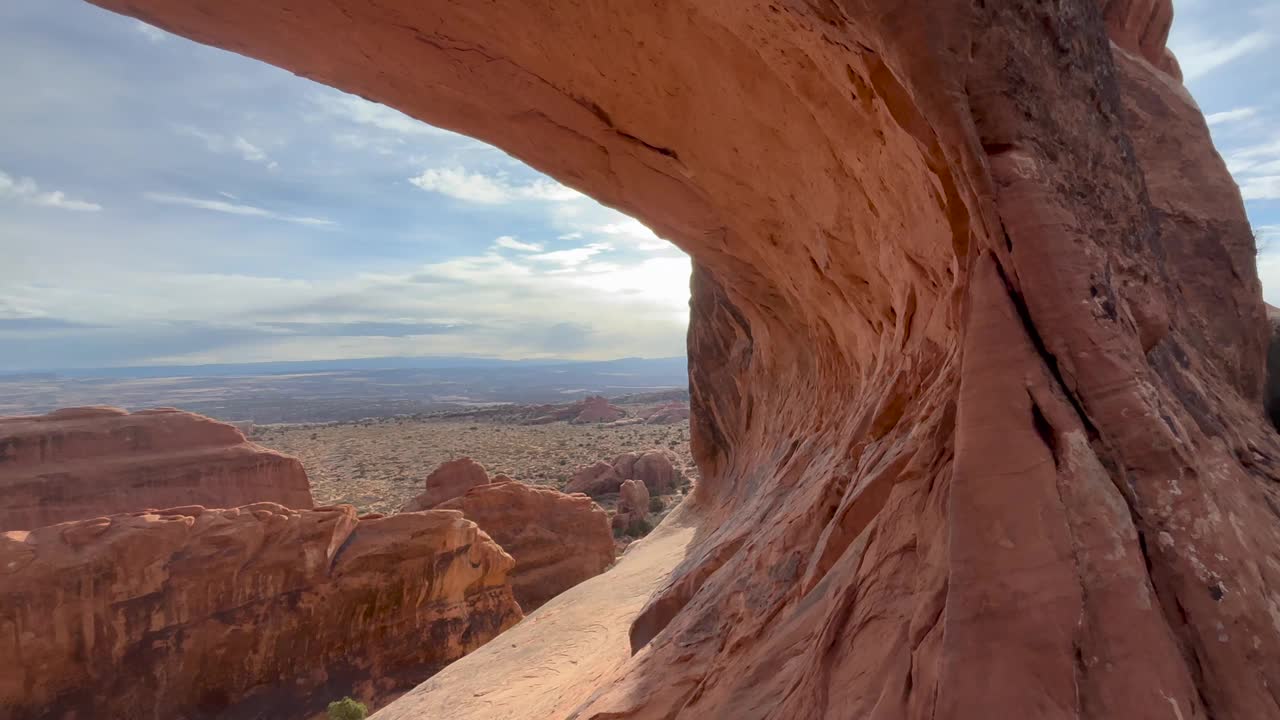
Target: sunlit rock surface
249, 612
81, 463
976, 341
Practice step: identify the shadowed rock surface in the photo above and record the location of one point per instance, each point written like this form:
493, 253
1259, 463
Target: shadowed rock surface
86, 462
976, 340
557, 540
250, 612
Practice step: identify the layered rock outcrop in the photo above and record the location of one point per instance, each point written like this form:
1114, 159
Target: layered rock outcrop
257, 611
557, 540
976, 337
448, 481
86, 462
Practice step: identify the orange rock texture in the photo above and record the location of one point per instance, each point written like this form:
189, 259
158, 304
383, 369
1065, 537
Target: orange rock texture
451, 479
557, 540
976, 338
81, 463
257, 611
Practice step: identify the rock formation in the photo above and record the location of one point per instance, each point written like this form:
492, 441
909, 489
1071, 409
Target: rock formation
257, 611
668, 414
451, 479
651, 467
596, 479
976, 337
86, 462
633, 507
597, 409
557, 540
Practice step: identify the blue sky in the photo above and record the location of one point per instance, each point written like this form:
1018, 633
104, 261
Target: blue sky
167, 203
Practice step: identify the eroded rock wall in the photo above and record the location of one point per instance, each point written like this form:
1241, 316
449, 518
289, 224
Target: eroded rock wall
251, 612
86, 462
975, 337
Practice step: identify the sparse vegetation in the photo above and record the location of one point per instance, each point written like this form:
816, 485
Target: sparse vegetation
656, 505
347, 709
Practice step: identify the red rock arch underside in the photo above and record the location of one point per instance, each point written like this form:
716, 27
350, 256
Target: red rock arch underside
976, 344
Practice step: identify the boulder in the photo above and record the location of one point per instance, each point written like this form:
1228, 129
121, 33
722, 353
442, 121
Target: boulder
257, 611
633, 507
448, 481
976, 339
80, 463
655, 470
594, 480
557, 540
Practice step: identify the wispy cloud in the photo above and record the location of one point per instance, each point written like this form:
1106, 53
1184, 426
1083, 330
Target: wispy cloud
223, 144
363, 112
152, 33
232, 208
1230, 116
476, 187
1262, 187
1200, 56
510, 243
28, 192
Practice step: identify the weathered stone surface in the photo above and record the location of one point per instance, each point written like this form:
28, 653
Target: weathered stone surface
668, 414
633, 507
971, 441
655, 469
597, 409
451, 479
594, 480
251, 612
80, 463
557, 540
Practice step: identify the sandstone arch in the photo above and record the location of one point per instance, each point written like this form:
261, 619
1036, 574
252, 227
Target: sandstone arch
976, 337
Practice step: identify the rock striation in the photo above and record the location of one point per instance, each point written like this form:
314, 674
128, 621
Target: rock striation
451, 479
257, 611
86, 462
557, 540
976, 337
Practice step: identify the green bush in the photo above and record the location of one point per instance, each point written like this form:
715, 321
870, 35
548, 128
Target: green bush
656, 505
347, 709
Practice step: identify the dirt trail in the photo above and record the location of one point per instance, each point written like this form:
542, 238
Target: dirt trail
556, 657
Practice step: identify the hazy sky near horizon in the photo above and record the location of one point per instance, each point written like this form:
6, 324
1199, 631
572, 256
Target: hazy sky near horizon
162, 202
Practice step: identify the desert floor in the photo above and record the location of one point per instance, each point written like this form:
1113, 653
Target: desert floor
378, 465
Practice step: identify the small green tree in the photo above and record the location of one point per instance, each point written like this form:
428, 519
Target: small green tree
347, 709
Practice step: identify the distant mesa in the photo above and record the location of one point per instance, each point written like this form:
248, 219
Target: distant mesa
86, 462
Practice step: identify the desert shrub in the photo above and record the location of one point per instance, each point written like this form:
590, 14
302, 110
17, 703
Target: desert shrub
640, 528
656, 505
347, 709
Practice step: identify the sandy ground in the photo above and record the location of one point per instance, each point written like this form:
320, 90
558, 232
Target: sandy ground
378, 465
556, 657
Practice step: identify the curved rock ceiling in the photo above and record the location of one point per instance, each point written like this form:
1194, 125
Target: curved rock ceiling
976, 337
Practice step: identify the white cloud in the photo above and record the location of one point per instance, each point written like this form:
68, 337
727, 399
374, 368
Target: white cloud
476, 187
232, 208
26, 191
1264, 187
363, 112
236, 145
1229, 116
571, 259
1200, 56
152, 33
510, 243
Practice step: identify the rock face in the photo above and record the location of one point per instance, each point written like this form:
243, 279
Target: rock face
668, 414
86, 462
654, 469
256, 611
975, 328
595, 480
633, 507
557, 540
451, 479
